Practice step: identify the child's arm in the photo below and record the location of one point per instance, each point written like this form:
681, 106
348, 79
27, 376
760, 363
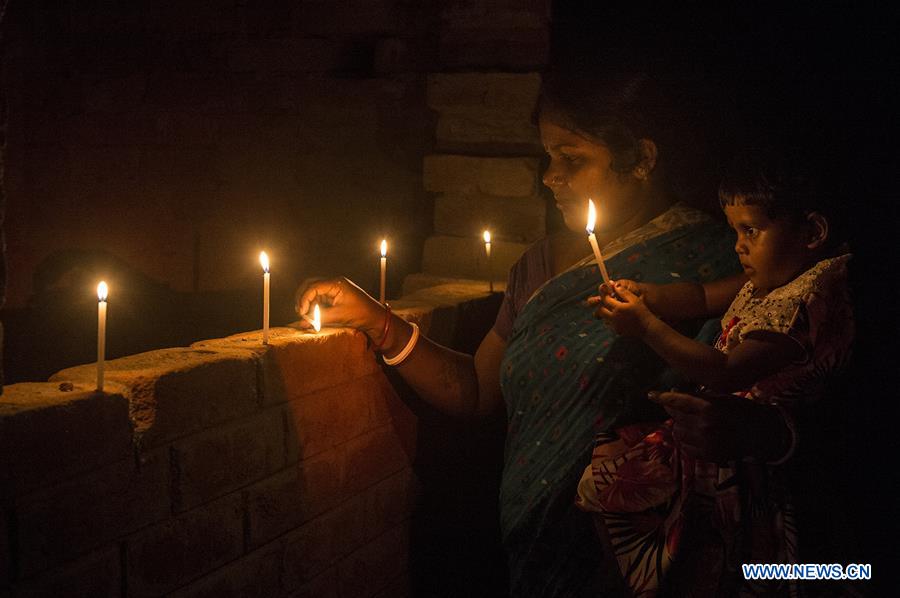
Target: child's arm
681, 300
755, 358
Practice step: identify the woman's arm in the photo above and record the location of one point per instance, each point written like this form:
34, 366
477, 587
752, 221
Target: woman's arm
453, 382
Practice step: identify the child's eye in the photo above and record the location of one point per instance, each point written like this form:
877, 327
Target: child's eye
751, 231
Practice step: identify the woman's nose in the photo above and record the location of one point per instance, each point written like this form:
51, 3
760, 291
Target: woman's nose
552, 178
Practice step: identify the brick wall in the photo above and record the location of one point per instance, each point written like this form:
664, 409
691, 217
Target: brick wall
226, 468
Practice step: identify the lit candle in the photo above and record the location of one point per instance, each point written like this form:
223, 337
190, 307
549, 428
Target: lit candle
383, 266
592, 218
264, 261
487, 251
316, 320
102, 293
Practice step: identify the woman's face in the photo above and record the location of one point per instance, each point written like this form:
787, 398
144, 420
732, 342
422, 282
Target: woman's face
580, 169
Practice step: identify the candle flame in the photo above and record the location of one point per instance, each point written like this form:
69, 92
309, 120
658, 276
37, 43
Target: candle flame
592, 216
102, 291
383, 247
487, 236
264, 261
317, 318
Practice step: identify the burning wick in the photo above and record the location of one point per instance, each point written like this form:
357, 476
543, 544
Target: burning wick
592, 218
102, 293
383, 266
487, 251
264, 262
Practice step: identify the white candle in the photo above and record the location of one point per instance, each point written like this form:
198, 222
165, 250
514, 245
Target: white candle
102, 293
592, 218
383, 267
264, 261
487, 251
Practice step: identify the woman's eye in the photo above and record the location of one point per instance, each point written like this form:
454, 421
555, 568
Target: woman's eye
569, 158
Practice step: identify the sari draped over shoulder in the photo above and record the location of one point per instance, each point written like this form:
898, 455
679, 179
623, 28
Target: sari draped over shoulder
566, 377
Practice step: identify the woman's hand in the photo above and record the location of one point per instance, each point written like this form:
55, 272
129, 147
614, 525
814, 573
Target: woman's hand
343, 304
725, 427
622, 308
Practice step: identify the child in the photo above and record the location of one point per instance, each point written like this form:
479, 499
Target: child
788, 328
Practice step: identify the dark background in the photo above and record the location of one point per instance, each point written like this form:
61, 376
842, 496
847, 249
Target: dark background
819, 79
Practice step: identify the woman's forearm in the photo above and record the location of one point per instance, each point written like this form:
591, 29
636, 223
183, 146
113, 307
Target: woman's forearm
442, 377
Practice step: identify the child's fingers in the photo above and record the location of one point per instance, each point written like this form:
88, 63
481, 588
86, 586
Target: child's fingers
626, 294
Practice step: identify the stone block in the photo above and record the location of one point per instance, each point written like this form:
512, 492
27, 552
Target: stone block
319, 421
49, 432
173, 392
5, 551
515, 48
348, 18
391, 501
501, 94
378, 454
288, 55
213, 463
375, 565
97, 575
291, 497
166, 556
296, 363
464, 257
502, 177
323, 585
400, 587
486, 133
59, 523
520, 219
257, 575
419, 281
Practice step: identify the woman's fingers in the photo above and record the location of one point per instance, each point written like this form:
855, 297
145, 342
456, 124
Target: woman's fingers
678, 403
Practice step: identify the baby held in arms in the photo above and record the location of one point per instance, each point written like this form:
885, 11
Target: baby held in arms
787, 327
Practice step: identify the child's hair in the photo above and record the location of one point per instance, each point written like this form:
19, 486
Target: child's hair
773, 180
782, 183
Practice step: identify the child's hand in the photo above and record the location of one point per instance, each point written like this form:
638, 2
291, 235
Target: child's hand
622, 309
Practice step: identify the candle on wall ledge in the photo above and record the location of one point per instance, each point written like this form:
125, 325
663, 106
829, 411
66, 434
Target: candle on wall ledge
383, 267
592, 218
264, 262
487, 251
102, 293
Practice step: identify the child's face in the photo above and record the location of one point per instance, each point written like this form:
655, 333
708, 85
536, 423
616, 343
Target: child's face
773, 251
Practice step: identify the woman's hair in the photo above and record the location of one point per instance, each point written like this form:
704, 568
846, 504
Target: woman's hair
618, 110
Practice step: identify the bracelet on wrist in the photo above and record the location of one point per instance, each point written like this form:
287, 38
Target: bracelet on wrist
410, 345
386, 328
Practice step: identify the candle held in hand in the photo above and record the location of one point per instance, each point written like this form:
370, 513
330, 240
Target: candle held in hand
592, 219
102, 293
264, 262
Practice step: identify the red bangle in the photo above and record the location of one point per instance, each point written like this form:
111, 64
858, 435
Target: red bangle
387, 326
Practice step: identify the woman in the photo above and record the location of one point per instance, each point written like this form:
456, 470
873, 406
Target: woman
562, 375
